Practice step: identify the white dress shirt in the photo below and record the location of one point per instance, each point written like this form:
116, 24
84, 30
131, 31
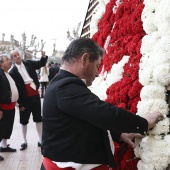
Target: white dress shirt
24, 74
14, 90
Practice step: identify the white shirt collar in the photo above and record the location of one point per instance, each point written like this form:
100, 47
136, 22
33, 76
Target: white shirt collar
19, 65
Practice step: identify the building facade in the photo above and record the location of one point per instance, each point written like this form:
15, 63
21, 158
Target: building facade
85, 33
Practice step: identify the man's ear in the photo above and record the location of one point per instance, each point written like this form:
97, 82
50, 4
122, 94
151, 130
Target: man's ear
85, 58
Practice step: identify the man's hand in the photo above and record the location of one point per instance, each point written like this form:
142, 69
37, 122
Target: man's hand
153, 118
129, 138
43, 54
22, 108
1, 115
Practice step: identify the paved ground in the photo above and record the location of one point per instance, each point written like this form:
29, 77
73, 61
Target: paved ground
29, 159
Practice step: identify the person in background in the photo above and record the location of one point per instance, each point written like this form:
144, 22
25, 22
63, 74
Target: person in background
8, 98
44, 73
53, 71
78, 127
26, 79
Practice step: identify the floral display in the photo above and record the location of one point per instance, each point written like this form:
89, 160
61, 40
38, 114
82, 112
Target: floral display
135, 72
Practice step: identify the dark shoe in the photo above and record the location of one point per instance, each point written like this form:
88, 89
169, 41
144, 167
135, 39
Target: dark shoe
7, 149
39, 144
1, 158
23, 146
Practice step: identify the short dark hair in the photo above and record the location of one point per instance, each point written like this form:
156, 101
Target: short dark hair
80, 46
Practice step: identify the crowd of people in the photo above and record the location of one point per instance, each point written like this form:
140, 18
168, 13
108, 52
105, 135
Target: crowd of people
77, 129
20, 85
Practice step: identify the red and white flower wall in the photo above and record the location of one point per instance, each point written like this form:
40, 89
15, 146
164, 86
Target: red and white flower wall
135, 72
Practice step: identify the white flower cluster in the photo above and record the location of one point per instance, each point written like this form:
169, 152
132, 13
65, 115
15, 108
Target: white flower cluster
154, 75
104, 81
155, 153
98, 13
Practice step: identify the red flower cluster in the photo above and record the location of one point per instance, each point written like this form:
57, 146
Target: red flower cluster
126, 32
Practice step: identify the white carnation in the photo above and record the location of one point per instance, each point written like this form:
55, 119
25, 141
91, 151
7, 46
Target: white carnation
162, 13
148, 15
99, 87
146, 75
154, 153
162, 127
164, 27
161, 74
143, 166
148, 42
151, 106
153, 92
116, 71
162, 45
164, 59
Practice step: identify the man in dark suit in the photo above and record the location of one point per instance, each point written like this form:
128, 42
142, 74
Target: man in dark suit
8, 99
53, 71
79, 128
26, 79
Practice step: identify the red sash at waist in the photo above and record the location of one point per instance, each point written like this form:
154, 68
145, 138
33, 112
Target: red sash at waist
8, 106
49, 165
30, 90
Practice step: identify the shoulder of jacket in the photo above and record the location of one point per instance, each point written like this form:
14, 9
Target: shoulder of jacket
27, 62
70, 80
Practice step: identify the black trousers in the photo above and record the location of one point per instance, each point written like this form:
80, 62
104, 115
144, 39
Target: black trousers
33, 105
43, 88
6, 124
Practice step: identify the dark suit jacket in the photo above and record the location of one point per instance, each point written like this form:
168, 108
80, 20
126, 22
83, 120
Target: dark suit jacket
53, 71
31, 67
5, 90
75, 123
